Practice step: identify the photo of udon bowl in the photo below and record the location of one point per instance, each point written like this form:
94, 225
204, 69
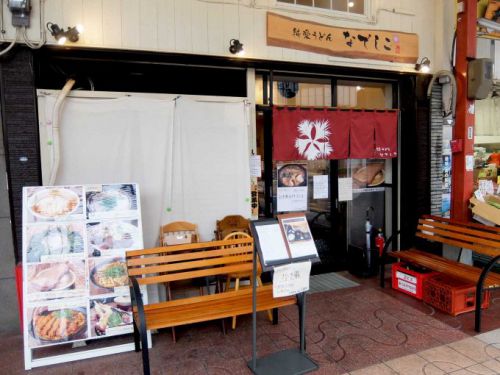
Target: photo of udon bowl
292, 175
53, 203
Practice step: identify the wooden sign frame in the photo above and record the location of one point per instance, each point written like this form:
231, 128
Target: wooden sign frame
393, 46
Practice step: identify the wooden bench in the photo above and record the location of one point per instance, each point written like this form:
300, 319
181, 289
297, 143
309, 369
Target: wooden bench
188, 261
479, 238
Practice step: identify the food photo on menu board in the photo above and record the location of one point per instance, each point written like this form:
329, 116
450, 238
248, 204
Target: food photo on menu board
58, 323
110, 316
108, 275
54, 203
110, 201
112, 236
51, 241
297, 235
56, 279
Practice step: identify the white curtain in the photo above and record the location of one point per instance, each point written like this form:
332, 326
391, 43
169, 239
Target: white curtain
211, 176
194, 168
118, 140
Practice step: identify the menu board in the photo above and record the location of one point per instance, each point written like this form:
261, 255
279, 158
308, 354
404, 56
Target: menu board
75, 275
283, 241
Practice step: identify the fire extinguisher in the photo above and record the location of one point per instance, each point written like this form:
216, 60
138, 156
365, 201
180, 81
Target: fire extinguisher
380, 242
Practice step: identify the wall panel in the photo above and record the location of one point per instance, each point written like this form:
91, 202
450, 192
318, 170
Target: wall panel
206, 26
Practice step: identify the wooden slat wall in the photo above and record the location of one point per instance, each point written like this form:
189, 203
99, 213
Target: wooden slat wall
206, 26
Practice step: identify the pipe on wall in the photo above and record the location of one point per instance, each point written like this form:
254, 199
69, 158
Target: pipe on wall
56, 116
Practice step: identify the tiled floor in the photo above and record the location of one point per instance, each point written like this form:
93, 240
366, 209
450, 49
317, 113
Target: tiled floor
359, 330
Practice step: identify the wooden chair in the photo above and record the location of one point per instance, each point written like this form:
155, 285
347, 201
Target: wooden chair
230, 224
177, 233
242, 275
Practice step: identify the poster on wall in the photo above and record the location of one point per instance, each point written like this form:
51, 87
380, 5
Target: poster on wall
292, 188
74, 272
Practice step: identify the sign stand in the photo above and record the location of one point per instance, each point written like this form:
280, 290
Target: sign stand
286, 362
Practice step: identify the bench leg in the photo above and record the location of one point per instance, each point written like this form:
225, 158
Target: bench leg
145, 351
275, 316
137, 338
479, 291
236, 288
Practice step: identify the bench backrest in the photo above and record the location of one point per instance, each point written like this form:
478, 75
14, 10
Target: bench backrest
188, 261
476, 237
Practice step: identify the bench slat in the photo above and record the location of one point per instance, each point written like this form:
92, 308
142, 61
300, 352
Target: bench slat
449, 267
477, 248
211, 307
481, 227
161, 258
464, 233
191, 246
223, 270
182, 266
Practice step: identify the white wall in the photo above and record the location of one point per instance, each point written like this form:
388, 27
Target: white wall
206, 26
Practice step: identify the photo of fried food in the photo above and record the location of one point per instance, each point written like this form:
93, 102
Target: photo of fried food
58, 325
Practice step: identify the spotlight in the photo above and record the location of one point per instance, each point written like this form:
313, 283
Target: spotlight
424, 65
236, 48
56, 32
74, 32
61, 36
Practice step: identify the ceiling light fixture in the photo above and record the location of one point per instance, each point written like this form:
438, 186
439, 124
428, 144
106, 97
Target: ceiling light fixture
424, 66
236, 47
61, 36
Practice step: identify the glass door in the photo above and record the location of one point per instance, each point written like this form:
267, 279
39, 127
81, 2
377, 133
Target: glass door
371, 208
336, 226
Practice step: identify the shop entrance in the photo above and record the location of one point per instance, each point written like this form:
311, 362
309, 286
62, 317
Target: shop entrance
338, 226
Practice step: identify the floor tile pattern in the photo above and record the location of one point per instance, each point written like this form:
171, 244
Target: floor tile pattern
359, 330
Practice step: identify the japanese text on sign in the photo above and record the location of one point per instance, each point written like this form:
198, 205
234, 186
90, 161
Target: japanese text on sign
291, 279
357, 43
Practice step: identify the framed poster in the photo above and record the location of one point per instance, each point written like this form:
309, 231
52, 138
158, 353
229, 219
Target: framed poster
292, 187
75, 283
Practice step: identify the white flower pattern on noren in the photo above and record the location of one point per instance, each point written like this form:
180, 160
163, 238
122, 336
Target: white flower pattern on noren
313, 141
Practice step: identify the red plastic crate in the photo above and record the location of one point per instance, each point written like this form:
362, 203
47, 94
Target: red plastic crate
453, 296
409, 279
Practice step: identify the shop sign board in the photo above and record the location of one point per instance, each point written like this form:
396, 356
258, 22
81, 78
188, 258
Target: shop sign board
393, 46
75, 283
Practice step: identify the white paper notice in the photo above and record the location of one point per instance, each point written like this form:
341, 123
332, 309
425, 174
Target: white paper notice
345, 189
292, 199
291, 279
272, 244
469, 163
255, 166
320, 187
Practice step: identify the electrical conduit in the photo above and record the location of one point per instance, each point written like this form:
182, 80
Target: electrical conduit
56, 114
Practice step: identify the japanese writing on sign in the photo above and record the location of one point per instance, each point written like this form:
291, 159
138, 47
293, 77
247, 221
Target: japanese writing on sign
291, 279
357, 43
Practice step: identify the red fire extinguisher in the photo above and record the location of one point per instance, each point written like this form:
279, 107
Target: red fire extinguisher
380, 242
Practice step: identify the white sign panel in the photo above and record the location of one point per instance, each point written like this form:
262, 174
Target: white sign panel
320, 187
255, 166
345, 189
74, 271
291, 279
272, 244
